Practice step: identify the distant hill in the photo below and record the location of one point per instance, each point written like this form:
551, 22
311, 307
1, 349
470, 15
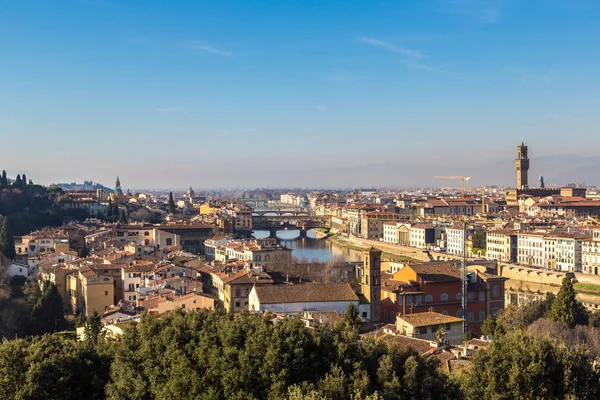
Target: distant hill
86, 185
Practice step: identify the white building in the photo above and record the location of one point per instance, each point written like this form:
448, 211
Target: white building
563, 251
590, 254
455, 238
390, 232
293, 299
422, 236
293, 199
211, 245
17, 269
530, 249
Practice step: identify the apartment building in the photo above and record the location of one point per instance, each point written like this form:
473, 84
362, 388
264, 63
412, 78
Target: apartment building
422, 236
390, 232
89, 291
372, 223
530, 249
563, 251
501, 245
590, 254
423, 287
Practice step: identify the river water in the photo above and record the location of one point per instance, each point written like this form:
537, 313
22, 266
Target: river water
311, 247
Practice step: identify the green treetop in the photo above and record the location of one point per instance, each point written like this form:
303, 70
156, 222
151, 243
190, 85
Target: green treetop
566, 309
172, 208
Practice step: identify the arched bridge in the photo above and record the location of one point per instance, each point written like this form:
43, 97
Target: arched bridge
301, 222
281, 212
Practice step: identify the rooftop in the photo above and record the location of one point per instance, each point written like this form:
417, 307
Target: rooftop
429, 319
307, 292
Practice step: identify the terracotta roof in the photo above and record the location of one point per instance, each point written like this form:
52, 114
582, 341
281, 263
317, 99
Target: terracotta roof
428, 319
308, 292
405, 343
436, 272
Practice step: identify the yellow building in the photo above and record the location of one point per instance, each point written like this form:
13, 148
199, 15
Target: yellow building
89, 292
206, 209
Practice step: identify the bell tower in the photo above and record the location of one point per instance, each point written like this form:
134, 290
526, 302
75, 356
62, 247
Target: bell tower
522, 166
371, 282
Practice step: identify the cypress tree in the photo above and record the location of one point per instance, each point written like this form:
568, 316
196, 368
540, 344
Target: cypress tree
4, 180
566, 309
17, 182
122, 217
7, 241
48, 313
171, 204
24, 180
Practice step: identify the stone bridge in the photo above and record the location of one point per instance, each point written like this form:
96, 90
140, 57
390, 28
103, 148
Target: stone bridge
299, 221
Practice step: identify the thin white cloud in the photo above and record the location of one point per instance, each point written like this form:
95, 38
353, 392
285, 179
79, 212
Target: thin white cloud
322, 108
411, 58
414, 54
203, 46
169, 109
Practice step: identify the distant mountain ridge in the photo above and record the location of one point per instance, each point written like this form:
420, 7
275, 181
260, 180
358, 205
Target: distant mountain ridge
86, 185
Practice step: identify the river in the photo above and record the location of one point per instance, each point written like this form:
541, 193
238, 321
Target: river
311, 247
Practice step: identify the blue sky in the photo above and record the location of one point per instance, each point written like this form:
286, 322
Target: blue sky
167, 93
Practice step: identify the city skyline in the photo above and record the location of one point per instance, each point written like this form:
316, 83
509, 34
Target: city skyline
293, 88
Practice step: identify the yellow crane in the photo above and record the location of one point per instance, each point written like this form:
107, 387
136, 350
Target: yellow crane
462, 179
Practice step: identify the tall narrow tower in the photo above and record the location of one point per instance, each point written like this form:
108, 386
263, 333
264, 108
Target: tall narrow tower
522, 165
371, 282
118, 190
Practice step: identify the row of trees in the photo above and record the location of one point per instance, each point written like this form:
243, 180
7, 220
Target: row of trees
30, 207
19, 182
214, 355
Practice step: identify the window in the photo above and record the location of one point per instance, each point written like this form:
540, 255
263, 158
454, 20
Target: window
258, 258
364, 314
481, 315
169, 242
459, 313
428, 298
444, 297
458, 296
470, 296
419, 300
237, 292
106, 292
434, 329
183, 305
444, 312
409, 300
495, 291
482, 296
237, 303
471, 316
422, 330
146, 233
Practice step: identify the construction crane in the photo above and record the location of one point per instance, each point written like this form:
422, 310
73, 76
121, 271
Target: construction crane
462, 181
